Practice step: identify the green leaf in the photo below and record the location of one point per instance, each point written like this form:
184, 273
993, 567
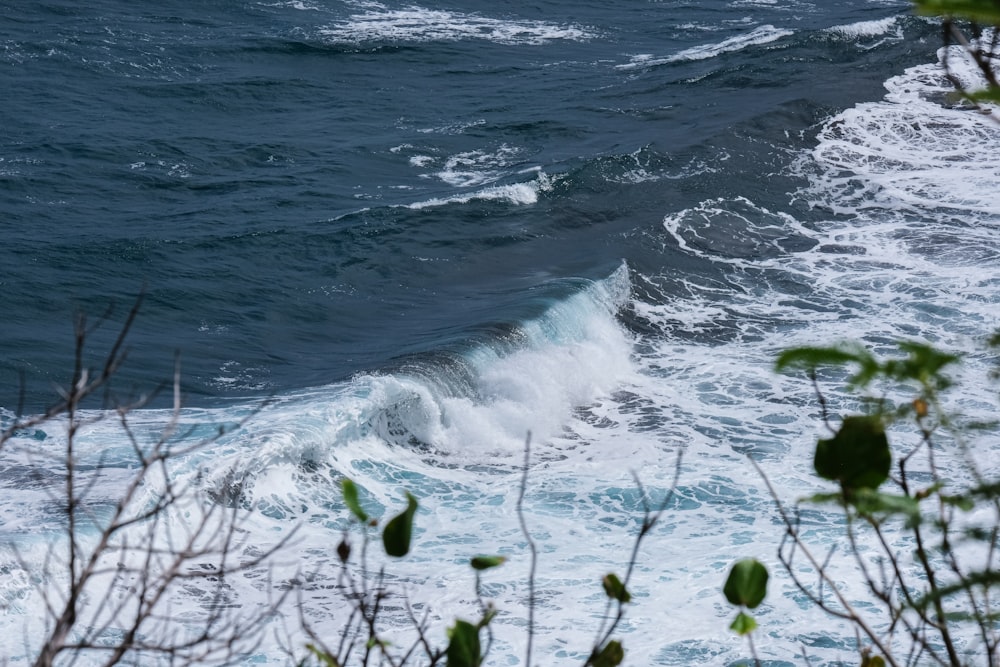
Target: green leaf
868, 660
820, 498
869, 503
984, 580
486, 562
983, 11
747, 583
978, 534
350, 492
923, 364
610, 656
615, 589
987, 491
964, 503
858, 456
324, 657
344, 550
811, 358
488, 616
743, 624
396, 534
463, 645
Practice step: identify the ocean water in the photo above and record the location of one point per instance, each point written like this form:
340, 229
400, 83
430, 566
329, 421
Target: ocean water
420, 232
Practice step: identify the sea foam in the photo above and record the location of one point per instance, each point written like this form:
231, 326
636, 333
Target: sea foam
764, 34
911, 151
519, 194
420, 24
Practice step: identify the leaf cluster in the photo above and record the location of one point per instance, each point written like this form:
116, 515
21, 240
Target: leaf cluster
465, 647
938, 590
468, 642
963, 22
986, 12
746, 588
922, 364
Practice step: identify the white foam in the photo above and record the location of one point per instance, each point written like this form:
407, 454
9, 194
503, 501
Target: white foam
911, 254
419, 24
473, 168
12, 166
868, 28
764, 34
796, 6
13, 52
468, 168
519, 194
534, 389
295, 4
234, 375
572, 355
452, 128
422, 160
700, 27
909, 152
636, 169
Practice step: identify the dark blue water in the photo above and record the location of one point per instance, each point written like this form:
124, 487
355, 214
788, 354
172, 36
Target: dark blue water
248, 166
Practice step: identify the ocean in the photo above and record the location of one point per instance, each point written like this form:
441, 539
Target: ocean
401, 237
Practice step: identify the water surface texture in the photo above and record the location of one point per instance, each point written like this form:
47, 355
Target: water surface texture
424, 230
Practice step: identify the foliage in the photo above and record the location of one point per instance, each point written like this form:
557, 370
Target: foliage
857, 456
963, 22
982, 11
397, 533
909, 488
942, 594
114, 573
130, 599
746, 584
746, 588
365, 640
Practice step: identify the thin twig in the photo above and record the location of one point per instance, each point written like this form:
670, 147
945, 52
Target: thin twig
533, 568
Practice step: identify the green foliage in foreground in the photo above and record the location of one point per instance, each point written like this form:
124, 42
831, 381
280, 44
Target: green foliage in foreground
889, 468
746, 587
894, 466
465, 647
857, 456
986, 12
963, 22
397, 533
468, 642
